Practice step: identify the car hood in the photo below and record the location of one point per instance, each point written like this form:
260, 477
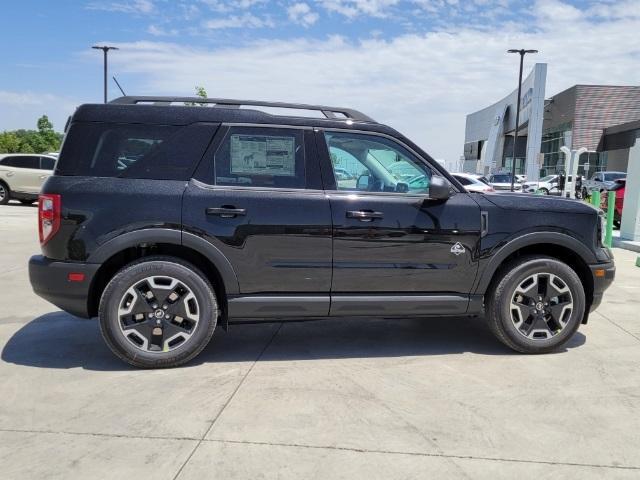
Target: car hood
520, 201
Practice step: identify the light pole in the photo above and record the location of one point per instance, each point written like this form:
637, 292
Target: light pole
522, 53
105, 49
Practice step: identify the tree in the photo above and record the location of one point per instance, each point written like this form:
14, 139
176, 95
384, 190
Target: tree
200, 92
44, 139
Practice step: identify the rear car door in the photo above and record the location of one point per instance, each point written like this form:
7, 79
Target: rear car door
257, 198
47, 164
390, 241
23, 173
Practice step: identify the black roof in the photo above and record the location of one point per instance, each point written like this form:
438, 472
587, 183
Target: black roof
164, 111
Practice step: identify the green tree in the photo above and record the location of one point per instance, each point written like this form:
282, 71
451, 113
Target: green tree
200, 92
44, 139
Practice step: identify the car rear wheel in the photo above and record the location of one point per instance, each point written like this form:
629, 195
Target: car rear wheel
158, 312
536, 305
5, 193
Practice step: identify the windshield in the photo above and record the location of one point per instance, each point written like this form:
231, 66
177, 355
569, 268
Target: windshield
611, 176
501, 179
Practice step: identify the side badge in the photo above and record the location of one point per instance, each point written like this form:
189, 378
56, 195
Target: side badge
457, 249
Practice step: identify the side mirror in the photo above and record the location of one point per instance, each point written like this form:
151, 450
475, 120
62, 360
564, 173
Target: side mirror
439, 188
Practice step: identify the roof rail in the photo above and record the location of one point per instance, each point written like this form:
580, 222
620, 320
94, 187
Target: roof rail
328, 112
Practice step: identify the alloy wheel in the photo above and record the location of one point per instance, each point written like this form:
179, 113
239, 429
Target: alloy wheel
3, 192
541, 306
158, 314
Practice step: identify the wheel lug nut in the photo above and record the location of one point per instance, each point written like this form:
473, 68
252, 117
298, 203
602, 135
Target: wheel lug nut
150, 315
155, 305
164, 307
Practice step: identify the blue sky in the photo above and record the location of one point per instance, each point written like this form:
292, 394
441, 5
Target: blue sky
418, 65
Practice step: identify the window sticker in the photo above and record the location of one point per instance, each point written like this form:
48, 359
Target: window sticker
263, 155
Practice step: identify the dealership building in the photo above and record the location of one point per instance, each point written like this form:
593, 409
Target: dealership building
602, 119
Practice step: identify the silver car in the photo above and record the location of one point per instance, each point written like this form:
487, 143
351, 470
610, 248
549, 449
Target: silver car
22, 176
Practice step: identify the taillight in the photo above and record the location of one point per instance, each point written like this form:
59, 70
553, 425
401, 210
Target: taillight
48, 216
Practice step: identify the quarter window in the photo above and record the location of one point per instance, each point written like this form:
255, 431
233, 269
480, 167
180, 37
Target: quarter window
375, 164
261, 157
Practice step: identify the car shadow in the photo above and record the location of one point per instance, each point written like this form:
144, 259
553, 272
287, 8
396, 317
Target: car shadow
60, 340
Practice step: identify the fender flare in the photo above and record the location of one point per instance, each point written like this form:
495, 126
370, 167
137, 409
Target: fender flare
534, 238
173, 237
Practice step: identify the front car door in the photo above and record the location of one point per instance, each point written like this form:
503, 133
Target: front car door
23, 173
257, 198
395, 251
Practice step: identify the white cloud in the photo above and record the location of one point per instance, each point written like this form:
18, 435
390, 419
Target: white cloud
135, 6
157, 31
354, 8
246, 20
22, 109
301, 13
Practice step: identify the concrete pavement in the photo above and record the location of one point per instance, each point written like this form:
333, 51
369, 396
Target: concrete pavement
346, 398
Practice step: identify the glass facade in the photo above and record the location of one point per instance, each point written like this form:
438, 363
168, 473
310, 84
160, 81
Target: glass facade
553, 158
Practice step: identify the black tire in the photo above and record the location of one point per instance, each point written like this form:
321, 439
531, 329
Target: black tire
135, 274
499, 310
5, 193
27, 202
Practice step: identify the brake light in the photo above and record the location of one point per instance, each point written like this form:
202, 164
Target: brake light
48, 216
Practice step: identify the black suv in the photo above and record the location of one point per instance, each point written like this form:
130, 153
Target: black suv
165, 220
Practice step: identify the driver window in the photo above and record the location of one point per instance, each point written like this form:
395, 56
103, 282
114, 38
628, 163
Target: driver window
375, 164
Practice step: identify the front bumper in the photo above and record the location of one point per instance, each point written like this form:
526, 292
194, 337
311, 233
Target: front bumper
603, 275
50, 280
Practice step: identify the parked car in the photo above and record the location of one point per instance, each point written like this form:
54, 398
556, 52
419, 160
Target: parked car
601, 181
502, 181
619, 187
545, 185
521, 178
22, 176
472, 183
232, 214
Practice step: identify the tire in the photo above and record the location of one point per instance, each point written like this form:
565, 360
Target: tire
5, 193
520, 325
177, 289
27, 202
544, 191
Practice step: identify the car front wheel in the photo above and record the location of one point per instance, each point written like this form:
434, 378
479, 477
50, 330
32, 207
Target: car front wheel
158, 312
536, 305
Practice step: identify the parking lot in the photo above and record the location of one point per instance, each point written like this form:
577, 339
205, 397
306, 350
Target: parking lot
346, 398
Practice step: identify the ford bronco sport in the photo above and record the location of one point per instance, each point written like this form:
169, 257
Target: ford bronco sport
166, 220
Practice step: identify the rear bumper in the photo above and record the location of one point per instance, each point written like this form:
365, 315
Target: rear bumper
603, 275
49, 279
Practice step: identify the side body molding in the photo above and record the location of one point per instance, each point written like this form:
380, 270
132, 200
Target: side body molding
550, 238
173, 237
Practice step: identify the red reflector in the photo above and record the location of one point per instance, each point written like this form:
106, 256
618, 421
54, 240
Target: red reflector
75, 277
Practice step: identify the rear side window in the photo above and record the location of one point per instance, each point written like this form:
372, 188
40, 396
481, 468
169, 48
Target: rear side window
261, 157
163, 152
463, 180
47, 163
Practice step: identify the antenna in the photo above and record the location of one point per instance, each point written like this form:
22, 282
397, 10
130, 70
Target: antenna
114, 79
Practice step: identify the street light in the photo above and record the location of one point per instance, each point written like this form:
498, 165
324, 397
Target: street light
105, 49
522, 53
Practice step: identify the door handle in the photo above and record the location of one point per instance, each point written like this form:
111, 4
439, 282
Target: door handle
9, 174
226, 212
364, 215
42, 177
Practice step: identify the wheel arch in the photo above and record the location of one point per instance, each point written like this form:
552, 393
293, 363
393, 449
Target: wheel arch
126, 248
555, 245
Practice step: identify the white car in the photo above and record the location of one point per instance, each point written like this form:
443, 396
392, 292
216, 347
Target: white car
502, 181
473, 183
545, 185
22, 176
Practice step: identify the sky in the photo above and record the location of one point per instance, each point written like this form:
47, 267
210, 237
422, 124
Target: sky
419, 66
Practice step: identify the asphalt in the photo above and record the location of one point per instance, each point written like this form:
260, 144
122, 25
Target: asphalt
334, 399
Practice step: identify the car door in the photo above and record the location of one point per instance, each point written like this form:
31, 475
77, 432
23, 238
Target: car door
394, 249
257, 198
22, 174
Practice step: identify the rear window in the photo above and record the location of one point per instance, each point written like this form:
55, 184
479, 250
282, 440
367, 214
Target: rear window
163, 152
